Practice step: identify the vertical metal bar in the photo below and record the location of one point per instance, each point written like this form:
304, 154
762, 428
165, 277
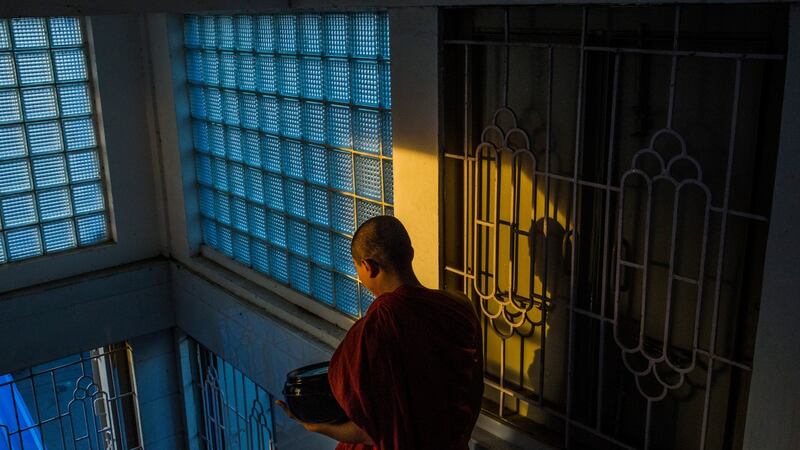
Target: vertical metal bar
673, 69
506, 57
465, 180
545, 295
721, 252
575, 187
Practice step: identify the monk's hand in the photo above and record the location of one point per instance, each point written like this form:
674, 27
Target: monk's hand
308, 426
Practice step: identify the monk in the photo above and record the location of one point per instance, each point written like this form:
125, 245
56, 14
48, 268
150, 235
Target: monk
409, 374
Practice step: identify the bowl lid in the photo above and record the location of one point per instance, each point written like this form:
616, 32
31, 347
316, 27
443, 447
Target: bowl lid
312, 373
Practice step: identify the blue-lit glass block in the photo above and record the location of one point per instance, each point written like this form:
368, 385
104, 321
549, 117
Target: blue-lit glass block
365, 35
29, 32
74, 100
230, 108
197, 102
8, 76
257, 221
368, 177
365, 83
5, 41
316, 164
15, 176
92, 229
70, 65
279, 265
288, 76
208, 32
59, 236
336, 34
273, 192
259, 256
311, 76
236, 179
292, 159
271, 154
34, 68
210, 68
342, 213
10, 110
225, 240
200, 136
322, 285
367, 131
265, 35
276, 229
214, 107
310, 34
295, 198
219, 172
299, 275
366, 297
388, 182
366, 210
210, 233
255, 185
290, 119
18, 211
251, 148
83, 166
346, 295
65, 32
241, 248
191, 31
44, 137
318, 206
79, 133
49, 171
342, 257
341, 170
54, 204
246, 71
88, 198
3, 257
386, 135
222, 208
337, 80
233, 141
216, 134
314, 122
12, 142
266, 74
297, 235
385, 73
227, 70
23, 243
244, 33
287, 33
338, 127
239, 214
268, 114
320, 246
205, 199
383, 35
225, 34
194, 66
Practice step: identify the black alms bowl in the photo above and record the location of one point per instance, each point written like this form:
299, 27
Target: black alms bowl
308, 395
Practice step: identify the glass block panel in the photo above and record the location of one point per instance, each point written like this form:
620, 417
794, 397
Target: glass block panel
34, 68
200, 136
341, 170
8, 76
210, 233
210, 68
297, 237
29, 32
337, 80
3, 256
70, 65
10, 110
336, 34
365, 35
15, 176
92, 229
322, 285
44, 137
59, 236
386, 135
230, 108
219, 173
318, 206
246, 71
346, 295
290, 119
296, 198
79, 133
271, 154
208, 32
19, 210
273, 192
203, 170
23, 243
251, 148
74, 100
311, 76
383, 35
366, 297
217, 140
191, 31
268, 114
388, 182
222, 207
320, 246
255, 185
241, 248
205, 198
385, 73
338, 127
12, 142
342, 214
310, 34
88, 198
287, 33
368, 177
225, 34
366, 210
244, 33
49, 171
292, 159
65, 32
276, 229
266, 74
279, 265
239, 214
316, 164
365, 83
194, 65
236, 181
39, 103
265, 37
225, 239
54, 204
5, 41
367, 130
288, 76
257, 221
299, 275
233, 141
197, 102
227, 70
259, 256
314, 122
342, 258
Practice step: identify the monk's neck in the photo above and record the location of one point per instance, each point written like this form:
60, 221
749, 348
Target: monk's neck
391, 281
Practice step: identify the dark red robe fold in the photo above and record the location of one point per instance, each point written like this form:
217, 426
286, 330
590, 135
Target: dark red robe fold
410, 372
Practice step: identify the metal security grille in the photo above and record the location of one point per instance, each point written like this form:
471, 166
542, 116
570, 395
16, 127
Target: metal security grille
52, 195
292, 129
232, 411
608, 178
86, 401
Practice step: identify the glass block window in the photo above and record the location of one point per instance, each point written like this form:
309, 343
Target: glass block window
292, 133
52, 194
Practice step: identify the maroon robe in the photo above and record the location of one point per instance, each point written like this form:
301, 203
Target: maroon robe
410, 372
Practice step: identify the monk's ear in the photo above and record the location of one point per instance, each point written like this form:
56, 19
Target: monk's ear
372, 267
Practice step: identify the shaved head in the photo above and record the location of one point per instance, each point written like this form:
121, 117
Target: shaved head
384, 240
